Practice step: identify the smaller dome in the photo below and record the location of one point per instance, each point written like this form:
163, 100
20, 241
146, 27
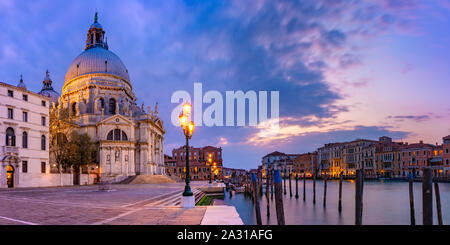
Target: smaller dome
96, 25
47, 90
21, 83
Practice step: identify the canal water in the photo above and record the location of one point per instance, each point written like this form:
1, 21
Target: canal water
384, 203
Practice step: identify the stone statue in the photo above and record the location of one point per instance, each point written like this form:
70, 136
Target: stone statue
149, 110
142, 107
156, 109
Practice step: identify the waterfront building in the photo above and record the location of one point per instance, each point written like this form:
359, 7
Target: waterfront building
330, 159
24, 134
199, 165
446, 155
278, 161
415, 157
304, 164
388, 158
98, 93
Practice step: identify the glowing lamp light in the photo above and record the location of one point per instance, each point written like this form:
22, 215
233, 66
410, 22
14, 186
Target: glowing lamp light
183, 120
187, 109
191, 127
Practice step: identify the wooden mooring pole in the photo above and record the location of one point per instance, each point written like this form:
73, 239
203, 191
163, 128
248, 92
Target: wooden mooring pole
358, 197
314, 187
438, 203
304, 186
255, 200
411, 199
427, 197
260, 184
284, 180
325, 190
267, 194
279, 198
290, 187
271, 186
296, 186
340, 192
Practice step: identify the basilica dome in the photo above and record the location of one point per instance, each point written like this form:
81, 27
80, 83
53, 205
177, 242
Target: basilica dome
97, 60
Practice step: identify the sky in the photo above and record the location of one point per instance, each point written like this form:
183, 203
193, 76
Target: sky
344, 69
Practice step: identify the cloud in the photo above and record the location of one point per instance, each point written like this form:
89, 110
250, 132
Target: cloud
416, 118
287, 46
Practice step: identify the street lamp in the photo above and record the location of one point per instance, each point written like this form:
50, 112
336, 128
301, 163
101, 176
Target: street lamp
210, 169
188, 130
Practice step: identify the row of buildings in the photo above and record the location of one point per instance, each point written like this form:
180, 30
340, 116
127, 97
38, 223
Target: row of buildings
382, 158
204, 163
98, 94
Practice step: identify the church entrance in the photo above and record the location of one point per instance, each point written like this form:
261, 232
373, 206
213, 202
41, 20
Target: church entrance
10, 176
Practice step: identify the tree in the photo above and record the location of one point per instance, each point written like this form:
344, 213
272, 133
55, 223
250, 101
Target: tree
84, 150
61, 124
68, 148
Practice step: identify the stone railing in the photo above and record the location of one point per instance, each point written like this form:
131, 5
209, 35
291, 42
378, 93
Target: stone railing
10, 150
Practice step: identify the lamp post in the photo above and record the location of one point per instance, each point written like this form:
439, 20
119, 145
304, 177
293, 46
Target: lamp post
188, 129
210, 169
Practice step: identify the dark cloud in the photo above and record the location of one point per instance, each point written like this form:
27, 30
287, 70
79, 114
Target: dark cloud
417, 118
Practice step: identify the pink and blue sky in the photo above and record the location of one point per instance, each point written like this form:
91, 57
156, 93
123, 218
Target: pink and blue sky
344, 69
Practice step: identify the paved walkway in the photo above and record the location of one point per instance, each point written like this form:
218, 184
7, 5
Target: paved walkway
126, 204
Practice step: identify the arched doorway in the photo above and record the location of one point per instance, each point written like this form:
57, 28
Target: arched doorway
10, 176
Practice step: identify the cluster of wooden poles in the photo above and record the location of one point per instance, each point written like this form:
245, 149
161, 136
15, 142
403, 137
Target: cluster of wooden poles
274, 187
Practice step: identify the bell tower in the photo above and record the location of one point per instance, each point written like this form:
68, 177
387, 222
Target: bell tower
96, 35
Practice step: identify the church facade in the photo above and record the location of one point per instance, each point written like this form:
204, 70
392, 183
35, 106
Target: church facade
98, 94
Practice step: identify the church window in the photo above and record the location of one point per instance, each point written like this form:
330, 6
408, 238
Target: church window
112, 106
116, 134
74, 108
124, 136
102, 102
110, 135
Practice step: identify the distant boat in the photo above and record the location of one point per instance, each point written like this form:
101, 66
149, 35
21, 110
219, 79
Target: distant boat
240, 189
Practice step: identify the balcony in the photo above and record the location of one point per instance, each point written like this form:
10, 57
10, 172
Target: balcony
10, 150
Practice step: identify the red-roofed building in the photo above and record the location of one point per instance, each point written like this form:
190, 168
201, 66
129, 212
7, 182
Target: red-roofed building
199, 165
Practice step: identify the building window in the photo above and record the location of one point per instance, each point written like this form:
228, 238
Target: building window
446, 150
25, 116
10, 93
10, 113
43, 167
110, 135
24, 167
25, 97
43, 103
43, 121
43, 143
10, 137
116, 135
25, 140
112, 106
124, 136
74, 108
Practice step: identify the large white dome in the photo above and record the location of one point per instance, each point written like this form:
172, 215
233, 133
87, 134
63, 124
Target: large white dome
97, 60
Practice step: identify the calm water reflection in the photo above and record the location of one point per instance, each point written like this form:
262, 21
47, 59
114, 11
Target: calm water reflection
385, 203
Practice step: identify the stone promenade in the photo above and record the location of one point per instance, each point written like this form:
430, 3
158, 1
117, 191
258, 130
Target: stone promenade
147, 204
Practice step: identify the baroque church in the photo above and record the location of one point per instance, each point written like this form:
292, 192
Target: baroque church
99, 95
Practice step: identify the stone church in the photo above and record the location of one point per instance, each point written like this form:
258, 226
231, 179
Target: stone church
99, 94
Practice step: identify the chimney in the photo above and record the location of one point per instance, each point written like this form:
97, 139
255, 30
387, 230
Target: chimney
421, 142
